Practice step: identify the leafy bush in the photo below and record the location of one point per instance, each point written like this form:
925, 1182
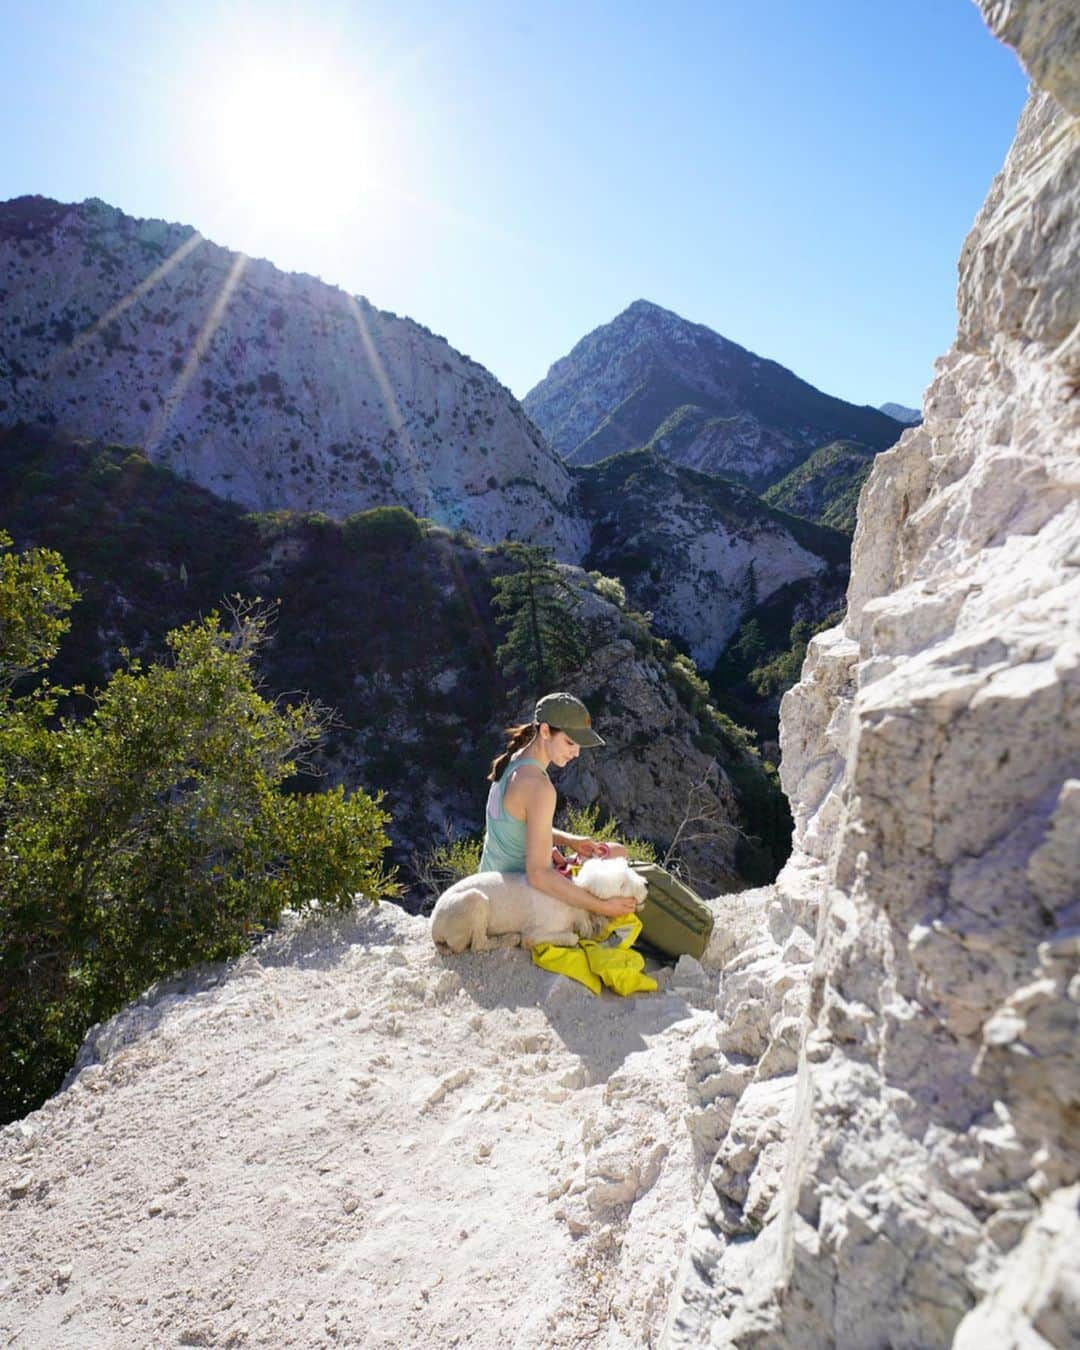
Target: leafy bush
35, 596
692, 690
448, 861
382, 529
586, 820
152, 834
610, 589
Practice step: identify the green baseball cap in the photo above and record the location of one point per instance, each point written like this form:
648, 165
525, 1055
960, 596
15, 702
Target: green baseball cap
564, 712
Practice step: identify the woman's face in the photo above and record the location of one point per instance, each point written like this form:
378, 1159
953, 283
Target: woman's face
561, 749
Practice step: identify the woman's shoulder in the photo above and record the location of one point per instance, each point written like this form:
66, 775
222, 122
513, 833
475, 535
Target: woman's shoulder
528, 772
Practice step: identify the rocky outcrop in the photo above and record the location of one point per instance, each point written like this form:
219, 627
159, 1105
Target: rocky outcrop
651, 378
697, 552
274, 390
895, 1104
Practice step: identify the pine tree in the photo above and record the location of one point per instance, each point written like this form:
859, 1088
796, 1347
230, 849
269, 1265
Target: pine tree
537, 609
751, 643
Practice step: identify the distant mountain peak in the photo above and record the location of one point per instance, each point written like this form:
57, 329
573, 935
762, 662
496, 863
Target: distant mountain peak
648, 308
651, 377
902, 413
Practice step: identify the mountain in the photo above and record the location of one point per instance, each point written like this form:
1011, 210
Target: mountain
825, 488
652, 378
911, 416
700, 552
274, 390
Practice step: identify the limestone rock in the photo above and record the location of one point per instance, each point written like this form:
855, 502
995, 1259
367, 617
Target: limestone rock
925, 1184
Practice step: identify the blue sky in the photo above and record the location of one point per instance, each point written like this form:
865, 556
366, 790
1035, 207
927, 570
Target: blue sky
799, 177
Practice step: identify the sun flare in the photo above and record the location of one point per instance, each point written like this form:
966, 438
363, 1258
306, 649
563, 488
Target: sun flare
295, 141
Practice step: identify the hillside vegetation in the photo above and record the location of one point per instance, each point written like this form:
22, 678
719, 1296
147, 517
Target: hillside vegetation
151, 831
825, 488
383, 617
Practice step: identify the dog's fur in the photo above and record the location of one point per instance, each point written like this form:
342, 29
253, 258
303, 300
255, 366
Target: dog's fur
501, 909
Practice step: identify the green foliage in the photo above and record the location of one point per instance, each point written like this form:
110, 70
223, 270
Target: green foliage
537, 610
585, 820
153, 833
609, 588
445, 862
825, 487
750, 643
779, 674
35, 596
382, 529
692, 690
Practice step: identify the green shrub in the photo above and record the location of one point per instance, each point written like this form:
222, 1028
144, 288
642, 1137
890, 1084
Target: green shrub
609, 588
438, 867
35, 596
382, 529
585, 820
692, 690
153, 834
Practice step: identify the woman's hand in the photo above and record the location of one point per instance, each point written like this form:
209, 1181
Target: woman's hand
593, 848
617, 907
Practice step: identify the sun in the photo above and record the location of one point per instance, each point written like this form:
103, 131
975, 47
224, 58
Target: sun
294, 139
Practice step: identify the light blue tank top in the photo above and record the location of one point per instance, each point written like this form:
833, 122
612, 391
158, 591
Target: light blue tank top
504, 837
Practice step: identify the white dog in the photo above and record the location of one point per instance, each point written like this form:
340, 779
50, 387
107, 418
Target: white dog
501, 909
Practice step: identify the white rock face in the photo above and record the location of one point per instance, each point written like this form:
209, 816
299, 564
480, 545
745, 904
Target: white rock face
700, 556
896, 1113
272, 389
344, 1138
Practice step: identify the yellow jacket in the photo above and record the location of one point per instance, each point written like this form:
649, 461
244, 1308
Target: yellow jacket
605, 959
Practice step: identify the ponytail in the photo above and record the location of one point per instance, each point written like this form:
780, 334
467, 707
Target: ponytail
519, 738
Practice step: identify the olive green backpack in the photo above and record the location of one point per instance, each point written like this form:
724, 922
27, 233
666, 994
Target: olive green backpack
674, 921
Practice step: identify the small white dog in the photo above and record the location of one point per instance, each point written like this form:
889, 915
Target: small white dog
501, 909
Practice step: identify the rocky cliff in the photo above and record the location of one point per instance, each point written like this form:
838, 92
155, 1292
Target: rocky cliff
892, 1088
274, 390
651, 378
697, 552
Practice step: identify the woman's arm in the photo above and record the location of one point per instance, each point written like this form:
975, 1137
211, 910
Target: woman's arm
539, 812
586, 847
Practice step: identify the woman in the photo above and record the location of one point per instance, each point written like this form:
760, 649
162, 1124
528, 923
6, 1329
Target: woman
521, 805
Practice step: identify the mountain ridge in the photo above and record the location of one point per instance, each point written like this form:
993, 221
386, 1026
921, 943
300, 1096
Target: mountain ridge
739, 415
273, 389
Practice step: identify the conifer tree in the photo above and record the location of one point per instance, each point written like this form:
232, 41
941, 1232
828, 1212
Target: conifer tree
537, 609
